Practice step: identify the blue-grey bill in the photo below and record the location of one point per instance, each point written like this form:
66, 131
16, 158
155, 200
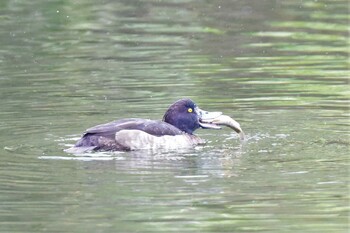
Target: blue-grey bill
206, 117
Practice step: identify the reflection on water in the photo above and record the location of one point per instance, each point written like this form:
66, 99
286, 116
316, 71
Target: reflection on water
280, 68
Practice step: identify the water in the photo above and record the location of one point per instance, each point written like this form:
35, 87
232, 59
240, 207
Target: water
280, 68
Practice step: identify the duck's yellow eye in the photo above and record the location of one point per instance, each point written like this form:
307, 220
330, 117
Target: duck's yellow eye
190, 110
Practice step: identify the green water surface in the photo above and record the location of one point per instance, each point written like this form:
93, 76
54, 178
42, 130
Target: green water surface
280, 68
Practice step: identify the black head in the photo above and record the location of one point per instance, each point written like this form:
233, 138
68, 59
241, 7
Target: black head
183, 116
186, 116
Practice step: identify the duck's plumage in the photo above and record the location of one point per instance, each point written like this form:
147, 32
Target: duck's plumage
175, 131
153, 127
103, 137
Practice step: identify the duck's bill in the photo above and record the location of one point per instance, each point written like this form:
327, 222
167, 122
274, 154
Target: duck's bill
206, 118
226, 121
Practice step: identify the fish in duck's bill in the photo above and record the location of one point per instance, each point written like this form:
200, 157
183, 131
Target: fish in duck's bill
175, 130
229, 122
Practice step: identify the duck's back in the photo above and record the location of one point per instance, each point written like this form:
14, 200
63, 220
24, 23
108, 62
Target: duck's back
153, 127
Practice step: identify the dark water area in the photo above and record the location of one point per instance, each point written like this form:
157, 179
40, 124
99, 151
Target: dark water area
280, 68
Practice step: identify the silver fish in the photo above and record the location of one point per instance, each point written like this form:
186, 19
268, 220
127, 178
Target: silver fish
229, 122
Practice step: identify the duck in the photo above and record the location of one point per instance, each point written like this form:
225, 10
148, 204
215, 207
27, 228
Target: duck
174, 131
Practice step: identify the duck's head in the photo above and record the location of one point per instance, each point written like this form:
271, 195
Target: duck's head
186, 116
